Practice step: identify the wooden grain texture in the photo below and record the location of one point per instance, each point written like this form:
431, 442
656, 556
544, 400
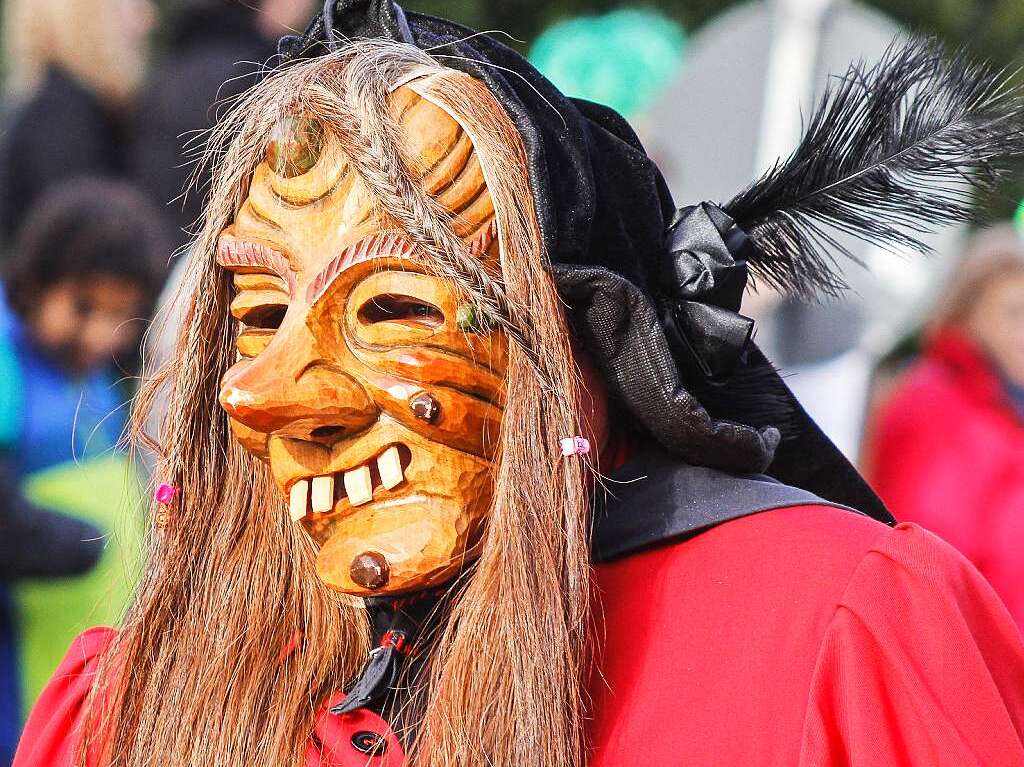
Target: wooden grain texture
340, 328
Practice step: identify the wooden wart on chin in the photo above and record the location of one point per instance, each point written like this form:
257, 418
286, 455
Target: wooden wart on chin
369, 386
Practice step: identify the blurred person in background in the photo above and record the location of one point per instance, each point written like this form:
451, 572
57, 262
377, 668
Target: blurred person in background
86, 265
946, 448
74, 66
214, 53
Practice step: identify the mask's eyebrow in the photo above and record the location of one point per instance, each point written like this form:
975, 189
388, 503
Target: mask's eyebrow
233, 253
371, 246
386, 243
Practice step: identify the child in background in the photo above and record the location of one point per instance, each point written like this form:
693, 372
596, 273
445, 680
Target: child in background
85, 269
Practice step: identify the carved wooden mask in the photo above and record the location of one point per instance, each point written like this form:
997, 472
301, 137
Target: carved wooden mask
369, 387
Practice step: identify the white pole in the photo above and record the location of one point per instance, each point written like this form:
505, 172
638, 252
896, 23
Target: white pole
792, 65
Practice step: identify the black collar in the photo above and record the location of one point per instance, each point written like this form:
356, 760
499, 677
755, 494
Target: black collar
656, 498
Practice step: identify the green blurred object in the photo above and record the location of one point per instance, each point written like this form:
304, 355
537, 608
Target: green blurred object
106, 491
621, 59
1018, 218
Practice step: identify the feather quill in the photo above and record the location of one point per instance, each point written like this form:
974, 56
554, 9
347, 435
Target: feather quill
891, 152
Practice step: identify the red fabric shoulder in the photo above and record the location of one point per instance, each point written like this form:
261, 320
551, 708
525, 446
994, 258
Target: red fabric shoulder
805, 637
708, 644
52, 735
920, 665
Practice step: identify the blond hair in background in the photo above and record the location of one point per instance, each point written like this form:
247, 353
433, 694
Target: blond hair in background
992, 255
100, 42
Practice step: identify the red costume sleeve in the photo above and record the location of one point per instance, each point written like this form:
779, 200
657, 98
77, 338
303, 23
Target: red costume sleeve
921, 665
52, 735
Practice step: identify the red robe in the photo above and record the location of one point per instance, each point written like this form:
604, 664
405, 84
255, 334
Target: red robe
803, 636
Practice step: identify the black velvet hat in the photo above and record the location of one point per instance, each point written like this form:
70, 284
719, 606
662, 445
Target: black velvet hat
654, 291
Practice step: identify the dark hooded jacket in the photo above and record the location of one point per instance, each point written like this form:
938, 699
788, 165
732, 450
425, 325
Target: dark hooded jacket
213, 54
61, 131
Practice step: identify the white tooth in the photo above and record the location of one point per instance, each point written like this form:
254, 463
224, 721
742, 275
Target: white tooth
297, 499
322, 493
358, 486
390, 468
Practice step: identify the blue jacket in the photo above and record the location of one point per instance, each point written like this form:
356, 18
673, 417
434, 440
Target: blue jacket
46, 418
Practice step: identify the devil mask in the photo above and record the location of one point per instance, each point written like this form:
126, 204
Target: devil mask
371, 385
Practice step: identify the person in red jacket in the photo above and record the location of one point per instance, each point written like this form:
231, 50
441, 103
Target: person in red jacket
948, 443
470, 459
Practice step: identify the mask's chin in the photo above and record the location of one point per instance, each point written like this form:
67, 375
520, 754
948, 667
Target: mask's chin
410, 526
391, 510
406, 544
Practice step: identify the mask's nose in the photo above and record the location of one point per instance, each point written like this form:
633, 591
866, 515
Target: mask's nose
285, 393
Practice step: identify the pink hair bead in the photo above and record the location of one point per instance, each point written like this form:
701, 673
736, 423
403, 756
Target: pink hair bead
165, 494
575, 446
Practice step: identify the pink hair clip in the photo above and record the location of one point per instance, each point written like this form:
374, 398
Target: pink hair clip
575, 446
165, 494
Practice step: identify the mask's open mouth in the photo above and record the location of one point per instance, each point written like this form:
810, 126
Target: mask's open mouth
358, 485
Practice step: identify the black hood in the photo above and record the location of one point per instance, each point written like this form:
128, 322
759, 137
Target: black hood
653, 292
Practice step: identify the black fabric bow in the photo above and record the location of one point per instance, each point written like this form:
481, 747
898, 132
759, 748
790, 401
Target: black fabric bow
705, 276
377, 678
402, 627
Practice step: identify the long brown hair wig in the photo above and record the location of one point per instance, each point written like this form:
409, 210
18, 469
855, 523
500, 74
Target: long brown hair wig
195, 677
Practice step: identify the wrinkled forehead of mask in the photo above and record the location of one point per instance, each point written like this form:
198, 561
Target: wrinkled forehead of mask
437, 182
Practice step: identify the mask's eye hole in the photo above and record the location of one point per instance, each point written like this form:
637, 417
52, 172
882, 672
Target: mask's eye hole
388, 307
265, 317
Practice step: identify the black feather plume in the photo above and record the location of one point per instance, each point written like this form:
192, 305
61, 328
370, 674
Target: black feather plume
891, 152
